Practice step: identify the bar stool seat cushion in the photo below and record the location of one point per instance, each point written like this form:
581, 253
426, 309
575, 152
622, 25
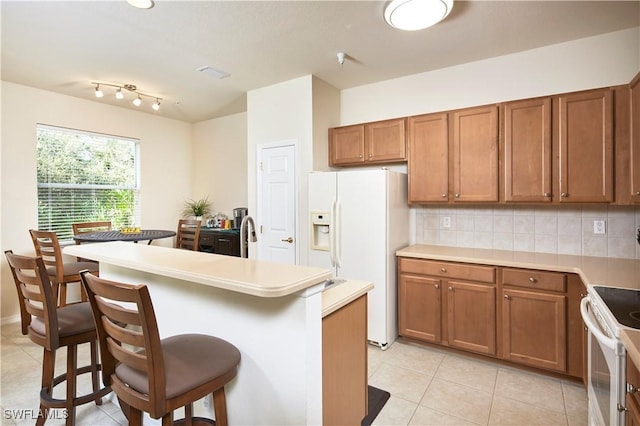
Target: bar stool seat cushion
73, 268
187, 368
75, 318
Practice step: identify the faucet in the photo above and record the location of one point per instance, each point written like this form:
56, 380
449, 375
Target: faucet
244, 237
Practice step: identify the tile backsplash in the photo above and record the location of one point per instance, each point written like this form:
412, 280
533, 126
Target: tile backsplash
545, 229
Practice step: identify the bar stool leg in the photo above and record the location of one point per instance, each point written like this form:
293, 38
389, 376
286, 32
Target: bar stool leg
48, 368
72, 361
95, 379
220, 407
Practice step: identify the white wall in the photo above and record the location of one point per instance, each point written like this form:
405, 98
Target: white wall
165, 150
219, 162
326, 114
278, 113
607, 60
289, 111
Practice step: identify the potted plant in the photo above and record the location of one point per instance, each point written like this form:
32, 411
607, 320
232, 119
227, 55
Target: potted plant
198, 208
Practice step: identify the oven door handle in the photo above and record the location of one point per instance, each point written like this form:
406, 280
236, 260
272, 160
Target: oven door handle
593, 327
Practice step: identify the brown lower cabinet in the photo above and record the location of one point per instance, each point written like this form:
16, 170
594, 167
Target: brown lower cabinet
535, 321
632, 399
437, 299
344, 364
534, 318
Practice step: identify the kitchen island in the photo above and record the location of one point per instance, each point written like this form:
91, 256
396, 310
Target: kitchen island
272, 312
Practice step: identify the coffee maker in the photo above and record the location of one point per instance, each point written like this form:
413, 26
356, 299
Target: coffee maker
238, 214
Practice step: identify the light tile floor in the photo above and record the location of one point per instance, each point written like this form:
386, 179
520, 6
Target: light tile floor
428, 387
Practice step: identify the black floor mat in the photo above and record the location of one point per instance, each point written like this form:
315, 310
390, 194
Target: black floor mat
377, 399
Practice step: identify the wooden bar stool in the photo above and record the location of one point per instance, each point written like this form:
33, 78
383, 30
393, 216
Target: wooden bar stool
152, 375
60, 272
53, 328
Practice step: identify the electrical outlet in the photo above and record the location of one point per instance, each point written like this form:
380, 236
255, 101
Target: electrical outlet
599, 227
446, 222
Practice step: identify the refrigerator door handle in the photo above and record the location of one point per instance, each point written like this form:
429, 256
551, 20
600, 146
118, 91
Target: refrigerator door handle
332, 233
337, 236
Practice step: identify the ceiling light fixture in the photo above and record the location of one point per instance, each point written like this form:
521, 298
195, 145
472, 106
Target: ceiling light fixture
141, 4
119, 94
412, 15
341, 56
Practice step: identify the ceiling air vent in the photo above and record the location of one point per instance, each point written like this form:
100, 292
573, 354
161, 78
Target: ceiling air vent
214, 72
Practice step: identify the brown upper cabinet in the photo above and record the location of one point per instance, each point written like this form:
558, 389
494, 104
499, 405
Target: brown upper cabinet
635, 139
559, 149
585, 143
369, 143
475, 154
453, 156
527, 150
428, 162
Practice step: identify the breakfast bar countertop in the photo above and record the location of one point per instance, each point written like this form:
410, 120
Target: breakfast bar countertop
248, 276
604, 271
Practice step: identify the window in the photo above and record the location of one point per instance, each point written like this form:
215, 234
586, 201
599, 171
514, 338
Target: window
84, 177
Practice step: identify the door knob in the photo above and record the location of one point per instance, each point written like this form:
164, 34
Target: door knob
288, 240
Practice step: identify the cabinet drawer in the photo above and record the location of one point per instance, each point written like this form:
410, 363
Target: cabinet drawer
449, 270
529, 278
206, 238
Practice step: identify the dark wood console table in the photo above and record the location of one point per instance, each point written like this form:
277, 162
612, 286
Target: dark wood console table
220, 241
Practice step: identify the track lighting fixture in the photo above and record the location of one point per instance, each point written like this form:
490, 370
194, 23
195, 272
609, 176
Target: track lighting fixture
131, 88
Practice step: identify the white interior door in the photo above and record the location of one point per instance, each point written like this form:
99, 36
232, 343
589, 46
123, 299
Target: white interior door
277, 204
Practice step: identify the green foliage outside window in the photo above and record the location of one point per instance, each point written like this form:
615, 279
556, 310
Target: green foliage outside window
85, 177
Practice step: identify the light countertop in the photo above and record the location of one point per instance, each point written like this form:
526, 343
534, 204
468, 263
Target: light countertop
604, 271
258, 278
343, 293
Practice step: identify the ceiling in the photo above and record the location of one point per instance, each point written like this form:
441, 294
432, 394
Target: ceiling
62, 46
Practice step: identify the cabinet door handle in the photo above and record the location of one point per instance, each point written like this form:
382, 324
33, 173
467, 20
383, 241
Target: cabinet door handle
546, 194
443, 270
631, 388
457, 195
437, 286
637, 192
450, 288
506, 296
532, 279
564, 195
444, 195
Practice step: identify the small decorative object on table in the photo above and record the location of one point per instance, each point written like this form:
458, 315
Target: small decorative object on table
219, 219
130, 230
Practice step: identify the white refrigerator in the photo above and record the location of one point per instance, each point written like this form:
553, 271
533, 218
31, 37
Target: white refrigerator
358, 221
